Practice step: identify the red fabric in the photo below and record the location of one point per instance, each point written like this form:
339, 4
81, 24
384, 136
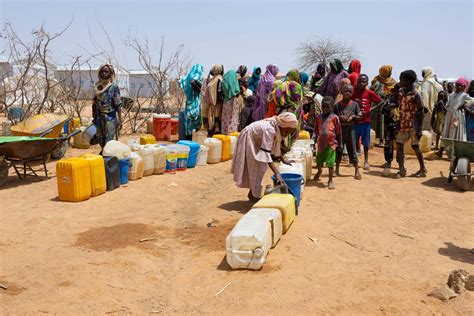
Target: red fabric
326, 131
365, 99
271, 109
355, 67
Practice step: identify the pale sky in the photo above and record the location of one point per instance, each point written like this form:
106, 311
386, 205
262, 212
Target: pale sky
406, 34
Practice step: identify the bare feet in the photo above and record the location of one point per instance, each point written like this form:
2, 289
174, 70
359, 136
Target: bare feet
317, 175
331, 185
357, 175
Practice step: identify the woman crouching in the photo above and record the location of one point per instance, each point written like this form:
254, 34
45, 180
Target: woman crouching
257, 143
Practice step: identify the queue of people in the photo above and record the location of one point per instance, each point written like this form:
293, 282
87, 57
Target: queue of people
337, 106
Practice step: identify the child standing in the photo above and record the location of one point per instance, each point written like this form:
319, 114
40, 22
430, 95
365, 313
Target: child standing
439, 113
349, 113
411, 120
391, 115
365, 98
327, 131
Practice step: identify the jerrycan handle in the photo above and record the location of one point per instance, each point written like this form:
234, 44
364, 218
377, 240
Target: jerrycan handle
258, 252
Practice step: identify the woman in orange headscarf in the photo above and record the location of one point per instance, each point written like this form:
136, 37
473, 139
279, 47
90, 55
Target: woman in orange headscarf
383, 84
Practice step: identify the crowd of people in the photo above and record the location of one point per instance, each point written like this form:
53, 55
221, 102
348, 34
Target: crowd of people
338, 107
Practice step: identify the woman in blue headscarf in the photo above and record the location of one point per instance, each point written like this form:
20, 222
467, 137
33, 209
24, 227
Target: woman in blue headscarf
191, 86
253, 81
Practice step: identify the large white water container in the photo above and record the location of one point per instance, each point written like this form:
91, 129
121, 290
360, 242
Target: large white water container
308, 153
80, 141
248, 244
159, 159
117, 149
296, 167
273, 216
146, 152
233, 146
202, 156
199, 136
136, 167
215, 150
298, 158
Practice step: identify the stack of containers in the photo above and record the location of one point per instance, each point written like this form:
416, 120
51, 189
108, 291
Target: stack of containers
249, 242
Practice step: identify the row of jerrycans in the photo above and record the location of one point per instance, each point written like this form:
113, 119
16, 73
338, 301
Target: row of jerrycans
260, 229
86, 176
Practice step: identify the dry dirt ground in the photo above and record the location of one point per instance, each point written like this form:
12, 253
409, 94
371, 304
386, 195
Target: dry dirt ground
380, 246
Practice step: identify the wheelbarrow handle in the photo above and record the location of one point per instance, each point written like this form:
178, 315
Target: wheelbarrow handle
63, 138
46, 132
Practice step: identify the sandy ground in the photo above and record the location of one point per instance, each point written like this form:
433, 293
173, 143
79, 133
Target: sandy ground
381, 246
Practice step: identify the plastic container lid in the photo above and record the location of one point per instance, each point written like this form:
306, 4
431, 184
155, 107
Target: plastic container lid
188, 143
161, 115
212, 141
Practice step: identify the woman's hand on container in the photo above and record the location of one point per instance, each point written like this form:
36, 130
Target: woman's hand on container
279, 179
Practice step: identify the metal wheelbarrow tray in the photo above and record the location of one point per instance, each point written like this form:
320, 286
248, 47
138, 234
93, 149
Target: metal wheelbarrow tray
462, 154
20, 152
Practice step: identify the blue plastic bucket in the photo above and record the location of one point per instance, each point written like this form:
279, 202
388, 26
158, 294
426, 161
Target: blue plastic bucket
193, 151
294, 182
124, 167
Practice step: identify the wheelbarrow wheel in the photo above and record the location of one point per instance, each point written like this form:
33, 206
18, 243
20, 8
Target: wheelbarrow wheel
463, 168
3, 172
59, 151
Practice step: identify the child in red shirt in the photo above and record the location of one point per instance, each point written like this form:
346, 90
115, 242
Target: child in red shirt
365, 98
327, 131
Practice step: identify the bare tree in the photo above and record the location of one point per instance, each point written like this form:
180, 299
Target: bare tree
162, 69
321, 50
32, 86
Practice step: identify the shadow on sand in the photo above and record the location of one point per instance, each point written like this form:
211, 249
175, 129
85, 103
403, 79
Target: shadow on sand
457, 253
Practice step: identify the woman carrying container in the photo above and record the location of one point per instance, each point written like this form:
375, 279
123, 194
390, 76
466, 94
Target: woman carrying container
258, 144
106, 107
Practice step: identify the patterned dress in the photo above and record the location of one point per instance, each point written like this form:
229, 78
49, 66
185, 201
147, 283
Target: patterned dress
106, 105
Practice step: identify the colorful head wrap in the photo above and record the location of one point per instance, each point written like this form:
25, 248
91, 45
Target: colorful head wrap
462, 81
293, 75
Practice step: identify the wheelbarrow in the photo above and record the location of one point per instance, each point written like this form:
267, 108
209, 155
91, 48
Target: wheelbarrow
20, 152
47, 125
462, 154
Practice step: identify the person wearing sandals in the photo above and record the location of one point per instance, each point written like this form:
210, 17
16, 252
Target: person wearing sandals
411, 121
349, 113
